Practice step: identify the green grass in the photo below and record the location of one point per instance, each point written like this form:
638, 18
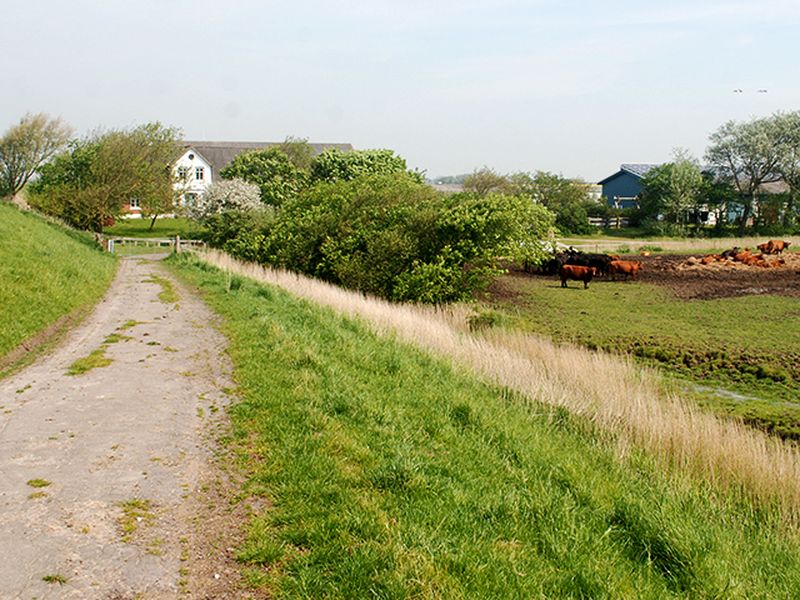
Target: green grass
38, 483
749, 344
164, 228
47, 272
388, 474
135, 512
96, 360
168, 293
55, 578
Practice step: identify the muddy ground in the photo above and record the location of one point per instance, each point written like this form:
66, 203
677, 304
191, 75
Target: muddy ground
720, 280
686, 278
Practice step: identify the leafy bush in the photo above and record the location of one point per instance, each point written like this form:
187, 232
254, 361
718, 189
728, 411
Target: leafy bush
272, 170
392, 236
335, 165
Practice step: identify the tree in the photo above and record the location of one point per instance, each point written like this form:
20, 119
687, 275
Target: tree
299, 151
224, 196
26, 147
566, 198
90, 183
278, 179
137, 163
789, 163
485, 181
335, 165
673, 190
747, 155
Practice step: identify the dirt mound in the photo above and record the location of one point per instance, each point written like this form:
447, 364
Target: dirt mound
689, 278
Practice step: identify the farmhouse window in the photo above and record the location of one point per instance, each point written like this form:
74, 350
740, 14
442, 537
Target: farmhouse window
183, 173
135, 203
198, 173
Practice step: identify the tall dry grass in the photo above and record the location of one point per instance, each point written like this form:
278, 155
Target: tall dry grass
613, 393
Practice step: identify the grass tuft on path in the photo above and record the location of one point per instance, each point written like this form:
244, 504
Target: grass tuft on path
47, 271
389, 474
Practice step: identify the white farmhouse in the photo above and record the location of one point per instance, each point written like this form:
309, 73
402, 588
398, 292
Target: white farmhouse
200, 163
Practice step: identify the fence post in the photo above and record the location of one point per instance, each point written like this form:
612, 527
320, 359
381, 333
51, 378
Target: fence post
177, 244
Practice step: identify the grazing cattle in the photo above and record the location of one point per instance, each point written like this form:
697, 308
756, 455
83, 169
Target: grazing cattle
766, 247
776, 246
629, 268
599, 261
577, 273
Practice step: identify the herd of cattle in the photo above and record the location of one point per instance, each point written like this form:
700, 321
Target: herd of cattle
575, 265
747, 257
582, 266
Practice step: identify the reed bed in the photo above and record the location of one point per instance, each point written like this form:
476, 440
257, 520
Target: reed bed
614, 394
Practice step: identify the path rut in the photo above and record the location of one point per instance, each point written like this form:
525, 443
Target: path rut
122, 446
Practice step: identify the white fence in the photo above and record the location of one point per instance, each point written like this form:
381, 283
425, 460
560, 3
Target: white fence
610, 223
132, 245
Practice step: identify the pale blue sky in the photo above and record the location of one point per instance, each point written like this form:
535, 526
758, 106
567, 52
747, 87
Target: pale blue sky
571, 87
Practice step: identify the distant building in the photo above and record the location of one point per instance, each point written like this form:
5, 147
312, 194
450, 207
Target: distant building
623, 188
200, 163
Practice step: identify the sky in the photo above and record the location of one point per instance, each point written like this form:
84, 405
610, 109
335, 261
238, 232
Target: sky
572, 87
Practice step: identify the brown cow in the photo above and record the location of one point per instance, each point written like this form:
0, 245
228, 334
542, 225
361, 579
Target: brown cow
766, 247
577, 273
777, 246
629, 268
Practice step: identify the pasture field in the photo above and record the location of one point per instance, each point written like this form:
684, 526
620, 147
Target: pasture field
164, 228
383, 472
46, 272
749, 345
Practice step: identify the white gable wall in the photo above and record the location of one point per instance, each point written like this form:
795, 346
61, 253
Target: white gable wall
197, 170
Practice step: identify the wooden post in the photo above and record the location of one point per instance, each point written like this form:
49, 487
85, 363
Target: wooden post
177, 244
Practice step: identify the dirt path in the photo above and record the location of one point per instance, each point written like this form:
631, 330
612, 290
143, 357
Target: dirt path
117, 449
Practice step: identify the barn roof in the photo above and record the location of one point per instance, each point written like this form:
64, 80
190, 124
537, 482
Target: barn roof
219, 154
636, 169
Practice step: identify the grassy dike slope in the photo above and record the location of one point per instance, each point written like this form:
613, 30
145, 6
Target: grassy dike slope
390, 475
46, 272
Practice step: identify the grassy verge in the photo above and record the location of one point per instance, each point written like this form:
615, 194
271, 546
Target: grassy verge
389, 474
749, 345
47, 272
163, 228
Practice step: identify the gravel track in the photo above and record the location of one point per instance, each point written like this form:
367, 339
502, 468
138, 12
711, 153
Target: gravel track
122, 446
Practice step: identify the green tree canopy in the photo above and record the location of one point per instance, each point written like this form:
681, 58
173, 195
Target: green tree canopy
485, 181
674, 190
335, 165
91, 182
567, 199
747, 155
299, 151
278, 179
392, 236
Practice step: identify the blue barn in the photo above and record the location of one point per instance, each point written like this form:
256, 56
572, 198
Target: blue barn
622, 189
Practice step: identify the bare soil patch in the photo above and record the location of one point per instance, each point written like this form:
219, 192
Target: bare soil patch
720, 279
